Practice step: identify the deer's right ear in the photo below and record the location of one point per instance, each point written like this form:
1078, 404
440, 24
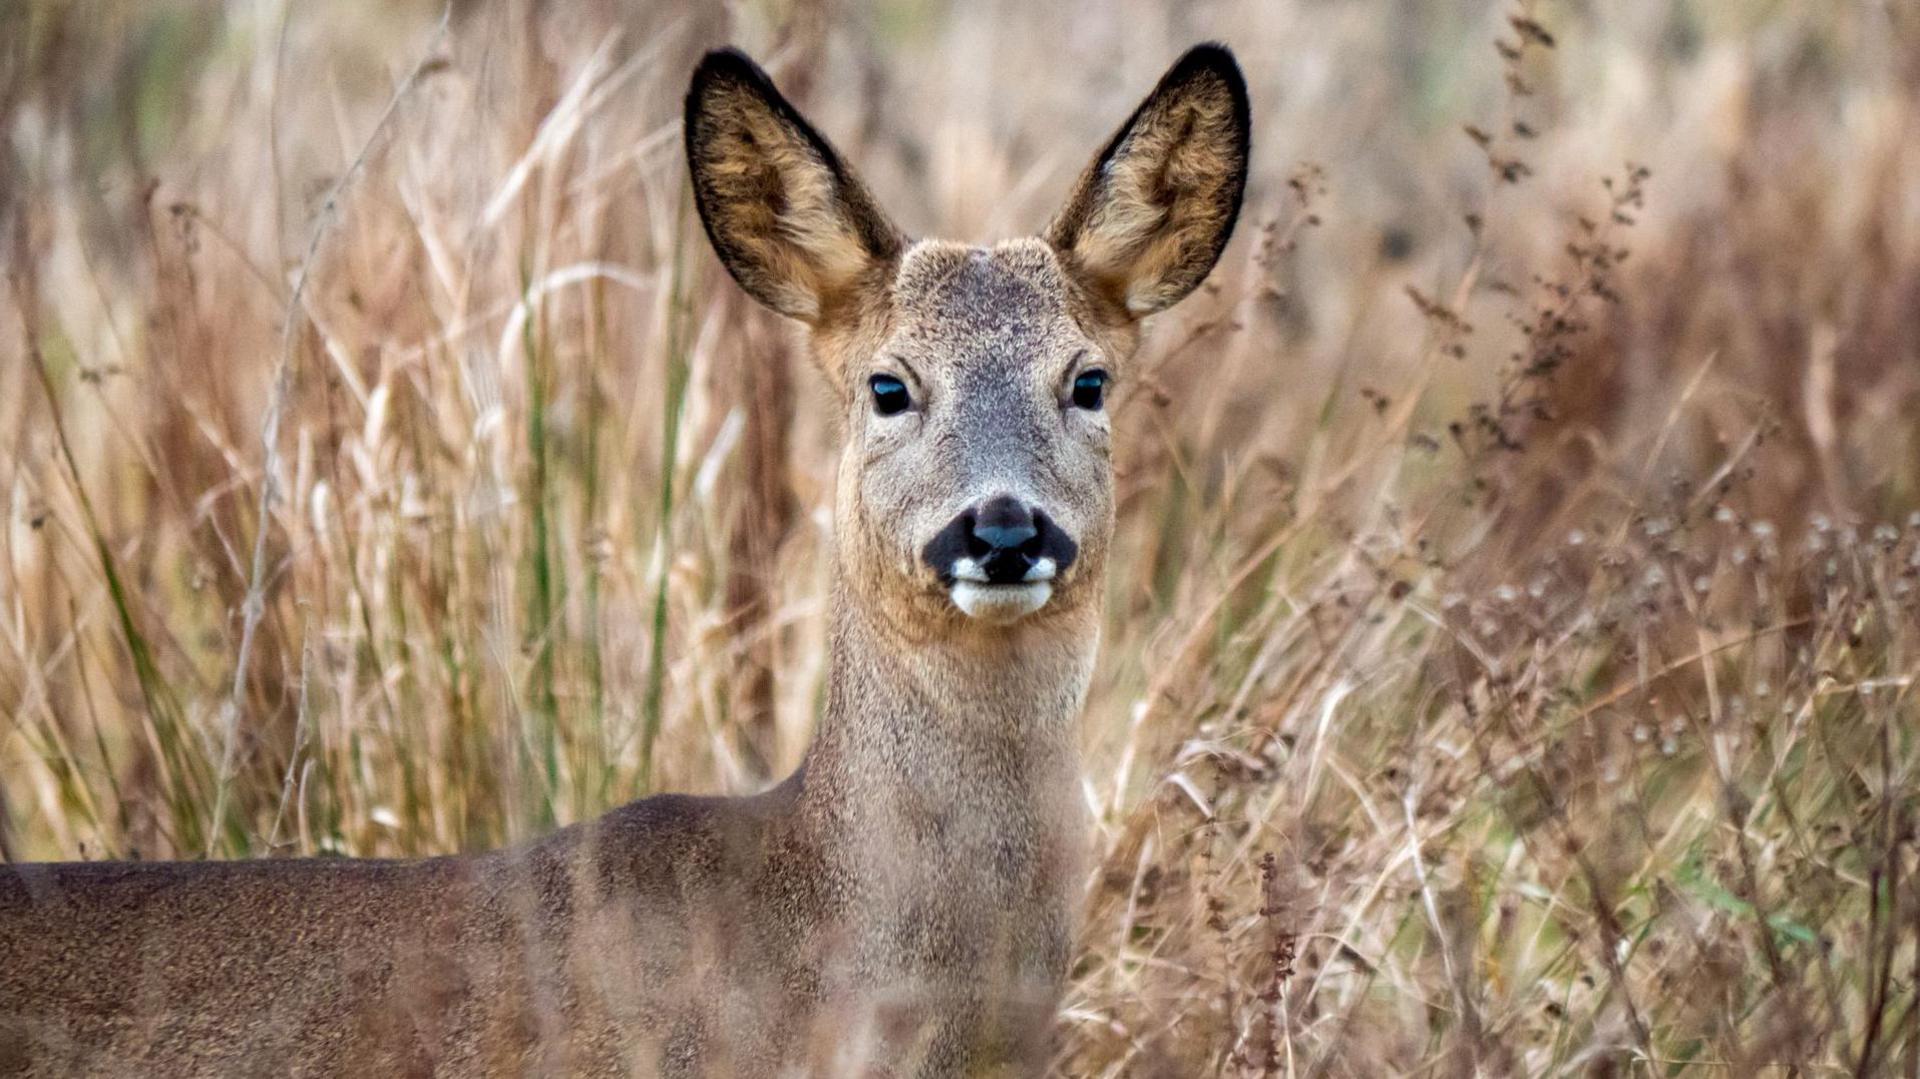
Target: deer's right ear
789, 221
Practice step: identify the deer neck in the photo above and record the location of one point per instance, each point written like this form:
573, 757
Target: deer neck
934, 752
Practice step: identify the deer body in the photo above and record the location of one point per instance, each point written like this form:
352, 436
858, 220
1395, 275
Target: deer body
904, 904
674, 936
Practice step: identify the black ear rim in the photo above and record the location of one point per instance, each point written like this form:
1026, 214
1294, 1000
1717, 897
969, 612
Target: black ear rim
1206, 58
730, 65
1209, 58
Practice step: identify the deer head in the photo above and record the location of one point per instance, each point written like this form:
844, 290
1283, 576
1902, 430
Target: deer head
975, 486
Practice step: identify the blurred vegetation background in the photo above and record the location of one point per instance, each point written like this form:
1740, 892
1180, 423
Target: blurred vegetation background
1510, 648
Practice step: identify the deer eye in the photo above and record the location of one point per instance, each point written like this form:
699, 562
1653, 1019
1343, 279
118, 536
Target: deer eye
1090, 390
889, 395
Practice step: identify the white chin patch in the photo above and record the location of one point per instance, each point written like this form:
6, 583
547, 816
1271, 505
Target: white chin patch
1001, 603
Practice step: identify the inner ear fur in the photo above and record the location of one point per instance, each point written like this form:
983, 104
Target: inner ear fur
1149, 217
792, 224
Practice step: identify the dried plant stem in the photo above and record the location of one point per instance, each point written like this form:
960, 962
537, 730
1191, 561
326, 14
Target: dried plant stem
254, 607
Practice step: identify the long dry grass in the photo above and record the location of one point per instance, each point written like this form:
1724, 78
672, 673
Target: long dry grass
1510, 652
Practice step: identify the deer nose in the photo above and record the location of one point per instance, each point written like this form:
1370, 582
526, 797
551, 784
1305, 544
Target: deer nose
1000, 541
1001, 526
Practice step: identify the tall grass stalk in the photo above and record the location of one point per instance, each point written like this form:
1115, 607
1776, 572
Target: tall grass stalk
677, 373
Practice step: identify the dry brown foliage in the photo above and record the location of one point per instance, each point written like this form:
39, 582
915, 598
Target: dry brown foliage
1510, 653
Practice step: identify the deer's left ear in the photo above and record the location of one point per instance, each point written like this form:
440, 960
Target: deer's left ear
1151, 214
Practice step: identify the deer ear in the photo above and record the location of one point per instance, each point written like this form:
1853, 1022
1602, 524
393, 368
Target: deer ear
1151, 214
789, 221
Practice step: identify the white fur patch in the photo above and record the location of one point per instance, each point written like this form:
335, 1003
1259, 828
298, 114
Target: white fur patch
1001, 603
966, 569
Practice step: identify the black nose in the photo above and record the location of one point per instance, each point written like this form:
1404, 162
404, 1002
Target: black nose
1002, 525
1000, 541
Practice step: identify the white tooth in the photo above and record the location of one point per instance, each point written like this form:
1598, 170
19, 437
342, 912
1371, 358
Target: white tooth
1002, 603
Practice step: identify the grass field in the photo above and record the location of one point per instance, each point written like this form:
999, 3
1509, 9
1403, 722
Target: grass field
1509, 659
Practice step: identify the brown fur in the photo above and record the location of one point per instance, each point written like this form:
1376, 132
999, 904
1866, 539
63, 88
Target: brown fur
1151, 214
904, 903
793, 224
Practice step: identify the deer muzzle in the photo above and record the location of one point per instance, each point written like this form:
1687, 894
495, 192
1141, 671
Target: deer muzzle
1000, 558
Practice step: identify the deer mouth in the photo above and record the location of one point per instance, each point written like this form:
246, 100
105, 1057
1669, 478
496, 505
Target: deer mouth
1000, 559
979, 595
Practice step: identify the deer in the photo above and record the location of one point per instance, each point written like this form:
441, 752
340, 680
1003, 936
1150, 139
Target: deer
905, 903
